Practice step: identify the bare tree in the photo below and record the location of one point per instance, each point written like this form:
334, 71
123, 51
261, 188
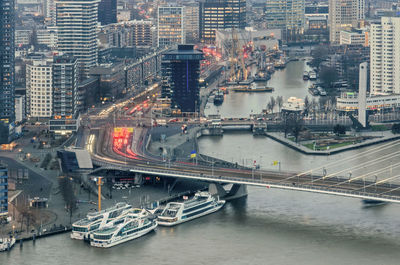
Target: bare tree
271, 104
67, 191
279, 101
307, 105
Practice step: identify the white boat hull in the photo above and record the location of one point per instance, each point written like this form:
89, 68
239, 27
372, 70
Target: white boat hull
160, 222
78, 236
7, 244
120, 240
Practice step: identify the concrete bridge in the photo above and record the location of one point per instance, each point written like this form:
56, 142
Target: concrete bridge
382, 190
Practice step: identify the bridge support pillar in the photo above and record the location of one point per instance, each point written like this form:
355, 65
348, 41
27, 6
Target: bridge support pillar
236, 191
138, 179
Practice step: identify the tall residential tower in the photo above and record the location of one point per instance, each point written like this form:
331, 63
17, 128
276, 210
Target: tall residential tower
385, 56
344, 14
77, 31
7, 89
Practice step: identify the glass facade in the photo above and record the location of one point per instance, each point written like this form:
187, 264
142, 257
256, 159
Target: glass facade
180, 74
108, 12
170, 25
7, 89
220, 14
287, 15
3, 191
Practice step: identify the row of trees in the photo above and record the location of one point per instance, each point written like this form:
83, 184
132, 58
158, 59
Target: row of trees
65, 185
324, 104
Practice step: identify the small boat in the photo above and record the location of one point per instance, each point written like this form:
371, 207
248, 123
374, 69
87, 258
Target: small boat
219, 97
6, 243
372, 203
313, 75
96, 220
321, 91
201, 204
253, 88
305, 76
134, 224
281, 63
313, 91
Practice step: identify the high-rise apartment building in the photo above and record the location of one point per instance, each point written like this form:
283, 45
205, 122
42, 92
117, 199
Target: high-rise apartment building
39, 91
3, 191
108, 12
65, 94
7, 89
344, 14
77, 31
191, 21
170, 25
288, 15
180, 77
385, 56
132, 33
220, 14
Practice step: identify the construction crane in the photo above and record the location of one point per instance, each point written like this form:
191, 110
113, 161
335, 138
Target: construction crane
237, 53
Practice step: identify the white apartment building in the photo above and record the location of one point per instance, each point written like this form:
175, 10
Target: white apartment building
354, 37
385, 56
19, 108
170, 25
77, 31
39, 90
344, 14
47, 36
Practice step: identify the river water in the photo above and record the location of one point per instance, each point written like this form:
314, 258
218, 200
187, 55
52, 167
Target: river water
268, 227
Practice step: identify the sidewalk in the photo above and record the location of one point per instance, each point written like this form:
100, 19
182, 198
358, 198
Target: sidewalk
383, 137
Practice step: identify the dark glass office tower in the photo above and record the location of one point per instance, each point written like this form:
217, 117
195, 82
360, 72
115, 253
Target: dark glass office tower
181, 73
7, 89
220, 14
108, 12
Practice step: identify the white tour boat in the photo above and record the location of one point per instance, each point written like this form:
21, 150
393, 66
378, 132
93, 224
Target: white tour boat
202, 203
6, 243
136, 223
81, 229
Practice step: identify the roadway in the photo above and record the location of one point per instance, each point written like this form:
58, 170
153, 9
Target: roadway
131, 156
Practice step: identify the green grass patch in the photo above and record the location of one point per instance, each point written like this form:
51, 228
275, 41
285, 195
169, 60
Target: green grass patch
324, 148
378, 128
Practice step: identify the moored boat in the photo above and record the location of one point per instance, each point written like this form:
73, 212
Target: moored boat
253, 88
6, 243
81, 229
313, 75
201, 204
372, 203
136, 223
306, 75
219, 97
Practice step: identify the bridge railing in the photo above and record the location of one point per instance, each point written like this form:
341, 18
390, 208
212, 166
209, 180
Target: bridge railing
253, 180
